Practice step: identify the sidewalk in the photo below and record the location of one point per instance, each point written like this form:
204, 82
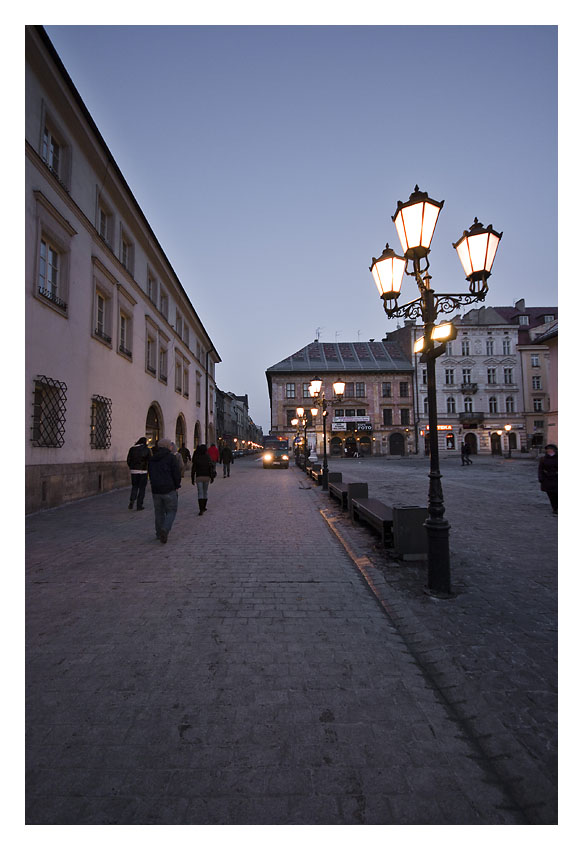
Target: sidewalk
244, 673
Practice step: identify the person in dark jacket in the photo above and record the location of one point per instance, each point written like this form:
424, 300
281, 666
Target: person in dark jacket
165, 477
227, 460
548, 475
137, 460
203, 472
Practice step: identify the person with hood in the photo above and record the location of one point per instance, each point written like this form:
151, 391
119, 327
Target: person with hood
137, 460
203, 472
165, 478
227, 459
548, 475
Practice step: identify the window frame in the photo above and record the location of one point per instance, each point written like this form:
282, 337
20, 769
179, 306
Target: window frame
100, 432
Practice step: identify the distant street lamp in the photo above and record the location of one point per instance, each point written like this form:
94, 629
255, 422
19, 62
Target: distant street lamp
415, 221
320, 400
303, 421
508, 429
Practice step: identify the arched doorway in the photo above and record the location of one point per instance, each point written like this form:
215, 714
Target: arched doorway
365, 447
396, 444
471, 441
154, 425
495, 444
196, 436
350, 446
336, 446
512, 440
180, 432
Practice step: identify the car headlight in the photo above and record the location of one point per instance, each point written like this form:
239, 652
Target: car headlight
268, 457
284, 457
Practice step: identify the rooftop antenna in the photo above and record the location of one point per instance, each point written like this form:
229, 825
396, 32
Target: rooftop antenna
336, 335
358, 334
318, 330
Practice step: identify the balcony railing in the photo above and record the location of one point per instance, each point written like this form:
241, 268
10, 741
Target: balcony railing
469, 387
102, 335
50, 296
474, 416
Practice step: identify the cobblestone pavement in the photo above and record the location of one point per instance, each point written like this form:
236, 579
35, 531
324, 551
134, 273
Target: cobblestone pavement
244, 673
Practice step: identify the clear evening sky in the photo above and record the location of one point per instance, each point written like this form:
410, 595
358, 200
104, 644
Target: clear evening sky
270, 159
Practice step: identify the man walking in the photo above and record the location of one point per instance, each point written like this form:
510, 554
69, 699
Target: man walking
165, 478
227, 459
137, 460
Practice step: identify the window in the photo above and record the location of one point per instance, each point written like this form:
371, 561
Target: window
451, 404
360, 411
424, 376
290, 390
535, 359
536, 382
548, 319
105, 222
185, 387
100, 435
290, 414
186, 334
468, 404
405, 413
523, 320
306, 391
539, 423
359, 389
49, 275
163, 302
489, 346
178, 325
426, 405
339, 413
127, 253
349, 390
449, 376
349, 411
178, 375
491, 376
403, 389
449, 348
493, 404
509, 404
508, 376
163, 364
125, 334
386, 389
152, 290
465, 347
56, 152
537, 405
387, 416
466, 376
198, 388
49, 407
151, 348
506, 345
51, 151
102, 308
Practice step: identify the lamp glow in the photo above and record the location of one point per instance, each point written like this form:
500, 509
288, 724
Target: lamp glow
476, 250
338, 387
415, 221
315, 386
387, 272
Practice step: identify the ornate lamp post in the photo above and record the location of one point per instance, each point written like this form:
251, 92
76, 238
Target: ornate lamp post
303, 422
415, 221
320, 400
508, 429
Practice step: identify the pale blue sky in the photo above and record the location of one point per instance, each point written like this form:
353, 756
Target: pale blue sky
269, 161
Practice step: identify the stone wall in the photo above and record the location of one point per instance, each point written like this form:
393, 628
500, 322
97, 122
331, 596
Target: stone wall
49, 485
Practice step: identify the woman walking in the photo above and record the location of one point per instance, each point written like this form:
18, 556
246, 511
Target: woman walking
548, 475
203, 472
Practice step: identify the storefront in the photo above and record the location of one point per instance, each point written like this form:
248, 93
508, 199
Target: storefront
352, 436
481, 438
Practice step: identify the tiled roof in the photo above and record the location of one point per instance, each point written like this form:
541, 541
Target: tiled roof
346, 357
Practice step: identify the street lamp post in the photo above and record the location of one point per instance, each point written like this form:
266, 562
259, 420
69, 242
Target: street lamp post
303, 420
415, 221
508, 429
320, 400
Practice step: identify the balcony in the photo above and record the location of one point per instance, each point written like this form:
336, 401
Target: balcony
474, 416
469, 388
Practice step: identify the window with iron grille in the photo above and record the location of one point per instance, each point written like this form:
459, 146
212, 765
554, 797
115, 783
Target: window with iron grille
100, 422
48, 418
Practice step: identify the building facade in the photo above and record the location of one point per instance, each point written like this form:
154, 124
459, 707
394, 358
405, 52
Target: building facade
114, 348
375, 414
482, 381
235, 427
540, 385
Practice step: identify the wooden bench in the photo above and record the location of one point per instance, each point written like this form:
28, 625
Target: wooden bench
376, 514
316, 472
344, 491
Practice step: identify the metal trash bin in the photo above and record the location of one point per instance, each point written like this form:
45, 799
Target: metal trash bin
409, 533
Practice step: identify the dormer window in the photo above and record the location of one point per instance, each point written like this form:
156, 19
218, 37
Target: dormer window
523, 320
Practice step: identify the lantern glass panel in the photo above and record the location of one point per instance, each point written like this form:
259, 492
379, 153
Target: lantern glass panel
388, 275
338, 387
315, 386
491, 253
464, 255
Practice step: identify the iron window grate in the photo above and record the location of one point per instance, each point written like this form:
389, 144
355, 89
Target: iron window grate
49, 408
100, 422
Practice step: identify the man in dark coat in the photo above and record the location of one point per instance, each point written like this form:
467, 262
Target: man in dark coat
137, 460
227, 460
548, 475
165, 478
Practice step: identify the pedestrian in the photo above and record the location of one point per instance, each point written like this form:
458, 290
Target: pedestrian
184, 454
548, 475
202, 472
137, 460
213, 453
467, 452
179, 458
164, 472
227, 460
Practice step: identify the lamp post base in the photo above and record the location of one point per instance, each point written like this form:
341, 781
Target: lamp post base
438, 573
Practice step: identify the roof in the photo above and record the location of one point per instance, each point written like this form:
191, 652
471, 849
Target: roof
336, 357
510, 316
551, 331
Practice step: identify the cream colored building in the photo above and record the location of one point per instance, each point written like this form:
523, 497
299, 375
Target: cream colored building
540, 385
114, 348
375, 415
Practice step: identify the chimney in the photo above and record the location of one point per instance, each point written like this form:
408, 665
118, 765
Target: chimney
520, 305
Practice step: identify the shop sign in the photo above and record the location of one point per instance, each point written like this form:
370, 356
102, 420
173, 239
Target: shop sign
364, 426
351, 419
